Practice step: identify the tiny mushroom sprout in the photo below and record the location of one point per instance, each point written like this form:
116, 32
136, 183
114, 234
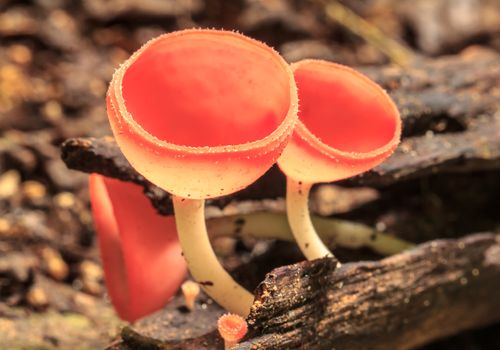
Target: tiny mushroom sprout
201, 114
232, 328
140, 251
190, 291
347, 125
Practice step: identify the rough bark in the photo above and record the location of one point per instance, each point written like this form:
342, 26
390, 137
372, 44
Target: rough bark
476, 149
401, 302
435, 290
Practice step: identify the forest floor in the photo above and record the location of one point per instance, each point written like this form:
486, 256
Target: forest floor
57, 57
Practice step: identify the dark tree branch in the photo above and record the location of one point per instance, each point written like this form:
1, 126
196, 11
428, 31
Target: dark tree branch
451, 123
476, 149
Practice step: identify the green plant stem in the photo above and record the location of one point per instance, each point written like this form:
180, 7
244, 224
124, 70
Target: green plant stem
334, 232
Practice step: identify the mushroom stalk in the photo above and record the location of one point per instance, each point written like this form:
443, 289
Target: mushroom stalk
270, 225
347, 125
297, 199
202, 261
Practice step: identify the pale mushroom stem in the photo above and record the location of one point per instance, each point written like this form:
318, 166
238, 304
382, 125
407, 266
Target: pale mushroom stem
202, 261
299, 218
271, 225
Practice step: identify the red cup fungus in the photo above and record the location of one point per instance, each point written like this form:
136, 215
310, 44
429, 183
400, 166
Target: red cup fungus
232, 328
347, 125
201, 114
140, 251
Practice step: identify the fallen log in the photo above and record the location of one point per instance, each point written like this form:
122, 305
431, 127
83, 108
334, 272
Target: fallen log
438, 289
476, 149
452, 124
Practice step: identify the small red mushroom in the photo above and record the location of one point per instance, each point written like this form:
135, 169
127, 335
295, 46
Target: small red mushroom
141, 254
232, 328
201, 114
347, 125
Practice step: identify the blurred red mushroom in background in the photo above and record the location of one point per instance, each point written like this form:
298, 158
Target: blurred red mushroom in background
201, 114
347, 125
141, 254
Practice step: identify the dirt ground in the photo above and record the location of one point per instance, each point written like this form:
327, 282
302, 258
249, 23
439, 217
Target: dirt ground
56, 60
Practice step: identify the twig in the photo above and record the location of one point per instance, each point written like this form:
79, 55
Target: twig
334, 232
396, 52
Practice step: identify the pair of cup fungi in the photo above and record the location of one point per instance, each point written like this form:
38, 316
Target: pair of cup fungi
205, 113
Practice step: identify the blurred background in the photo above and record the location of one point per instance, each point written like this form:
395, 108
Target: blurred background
56, 59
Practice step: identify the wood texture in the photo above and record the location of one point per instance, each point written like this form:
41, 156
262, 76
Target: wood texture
451, 124
437, 289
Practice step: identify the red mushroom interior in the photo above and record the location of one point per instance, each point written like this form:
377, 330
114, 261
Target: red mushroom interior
203, 89
344, 110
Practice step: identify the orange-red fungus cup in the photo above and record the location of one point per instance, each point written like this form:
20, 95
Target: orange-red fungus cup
140, 251
202, 113
347, 124
232, 328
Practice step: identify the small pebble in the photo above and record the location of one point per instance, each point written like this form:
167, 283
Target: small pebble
54, 264
37, 297
64, 200
33, 190
9, 184
20, 54
52, 110
92, 276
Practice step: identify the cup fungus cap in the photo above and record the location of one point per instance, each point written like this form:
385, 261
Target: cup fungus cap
232, 328
190, 290
141, 254
347, 124
202, 113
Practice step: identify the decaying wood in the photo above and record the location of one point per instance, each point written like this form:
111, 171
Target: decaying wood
176, 328
431, 95
435, 290
478, 148
451, 123
104, 157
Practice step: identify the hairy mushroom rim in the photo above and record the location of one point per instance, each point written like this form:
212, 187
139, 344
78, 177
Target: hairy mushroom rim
343, 111
167, 86
232, 328
347, 125
203, 113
